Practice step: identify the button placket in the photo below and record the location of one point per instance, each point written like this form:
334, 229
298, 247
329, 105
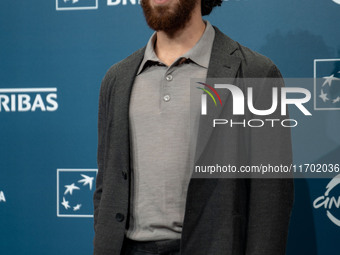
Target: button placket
166, 86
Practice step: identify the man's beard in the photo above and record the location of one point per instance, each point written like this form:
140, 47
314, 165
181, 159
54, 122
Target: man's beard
166, 18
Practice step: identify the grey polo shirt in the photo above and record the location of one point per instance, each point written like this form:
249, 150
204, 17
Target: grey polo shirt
163, 128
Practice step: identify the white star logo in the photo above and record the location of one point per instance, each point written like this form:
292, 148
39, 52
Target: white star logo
2, 196
323, 96
70, 188
329, 79
77, 207
65, 203
336, 100
87, 180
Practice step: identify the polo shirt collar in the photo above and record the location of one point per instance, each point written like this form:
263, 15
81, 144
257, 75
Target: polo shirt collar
199, 54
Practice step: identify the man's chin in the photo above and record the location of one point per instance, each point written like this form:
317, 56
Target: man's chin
168, 16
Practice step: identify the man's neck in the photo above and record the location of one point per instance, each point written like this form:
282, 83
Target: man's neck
169, 47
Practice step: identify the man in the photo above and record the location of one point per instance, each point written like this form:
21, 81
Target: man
146, 200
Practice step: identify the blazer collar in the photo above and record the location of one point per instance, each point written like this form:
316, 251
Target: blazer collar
223, 64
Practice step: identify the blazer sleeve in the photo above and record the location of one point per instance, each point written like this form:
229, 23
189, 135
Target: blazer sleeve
270, 200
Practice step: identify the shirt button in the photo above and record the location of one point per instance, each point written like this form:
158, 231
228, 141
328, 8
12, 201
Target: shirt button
124, 174
119, 217
168, 77
166, 98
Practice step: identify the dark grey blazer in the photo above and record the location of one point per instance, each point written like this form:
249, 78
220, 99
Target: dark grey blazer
222, 216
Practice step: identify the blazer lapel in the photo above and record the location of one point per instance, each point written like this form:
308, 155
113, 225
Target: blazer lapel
222, 65
118, 117
127, 74
123, 83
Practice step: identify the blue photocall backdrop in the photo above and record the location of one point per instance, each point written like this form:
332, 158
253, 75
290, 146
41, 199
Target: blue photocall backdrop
53, 56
